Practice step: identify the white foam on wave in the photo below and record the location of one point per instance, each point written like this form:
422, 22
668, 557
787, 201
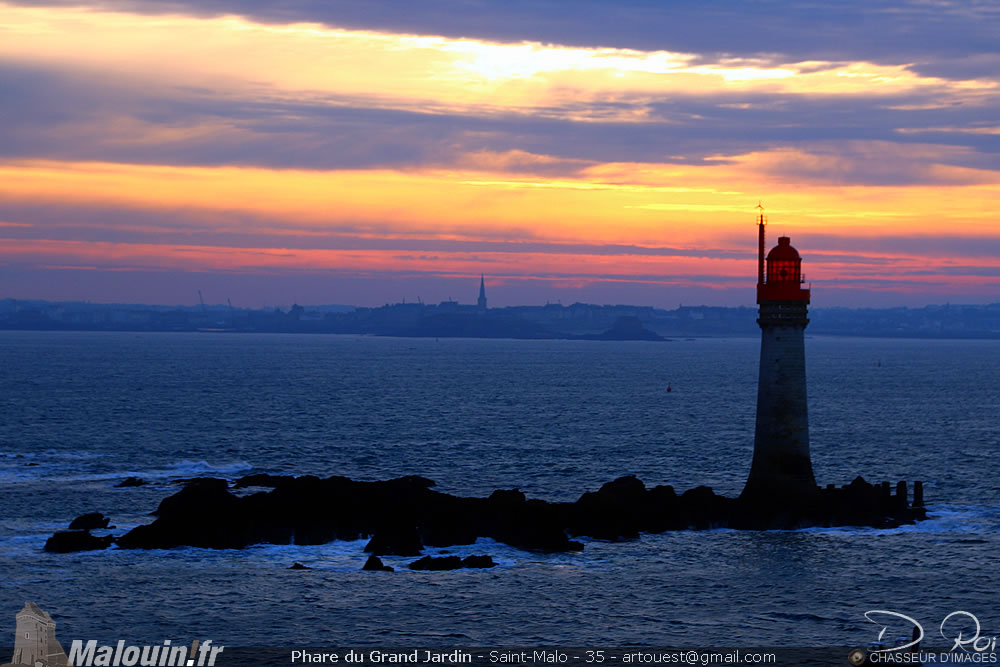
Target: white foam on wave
941, 519
64, 467
52, 454
178, 470
976, 519
188, 468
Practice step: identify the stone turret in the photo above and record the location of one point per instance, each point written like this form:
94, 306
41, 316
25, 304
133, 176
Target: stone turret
35, 640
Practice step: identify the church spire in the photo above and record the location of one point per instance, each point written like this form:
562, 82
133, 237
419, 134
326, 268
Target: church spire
482, 292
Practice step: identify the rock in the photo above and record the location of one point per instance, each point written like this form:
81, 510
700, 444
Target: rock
534, 525
440, 563
417, 481
375, 564
436, 563
628, 327
131, 481
68, 541
395, 540
199, 494
859, 484
614, 512
510, 498
202, 514
184, 481
447, 521
702, 509
661, 510
306, 510
478, 562
298, 566
263, 479
402, 516
89, 521
628, 489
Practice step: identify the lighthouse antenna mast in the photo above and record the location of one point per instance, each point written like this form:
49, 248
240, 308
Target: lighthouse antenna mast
761, 223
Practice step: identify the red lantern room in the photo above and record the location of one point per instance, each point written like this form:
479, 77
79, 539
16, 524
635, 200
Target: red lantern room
783, 263
783, 279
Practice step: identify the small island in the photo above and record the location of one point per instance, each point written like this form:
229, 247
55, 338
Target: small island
405, 515
628, 327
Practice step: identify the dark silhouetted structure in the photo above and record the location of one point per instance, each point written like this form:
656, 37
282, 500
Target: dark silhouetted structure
781, 464
482, 292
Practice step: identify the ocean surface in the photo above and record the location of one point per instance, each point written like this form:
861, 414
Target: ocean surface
81, 411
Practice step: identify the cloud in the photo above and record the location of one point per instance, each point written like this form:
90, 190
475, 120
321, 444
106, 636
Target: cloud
913, 31
267, 91
931, 244
429, 73
607, 203
630, 140
95, 118
877, 163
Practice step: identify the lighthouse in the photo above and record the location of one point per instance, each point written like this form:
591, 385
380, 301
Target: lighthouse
781, 466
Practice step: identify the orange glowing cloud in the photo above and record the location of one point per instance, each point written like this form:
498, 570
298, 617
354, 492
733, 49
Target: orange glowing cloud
689, 207
680, 205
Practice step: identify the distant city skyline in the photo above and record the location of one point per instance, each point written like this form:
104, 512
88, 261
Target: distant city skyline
363, 152
264, 291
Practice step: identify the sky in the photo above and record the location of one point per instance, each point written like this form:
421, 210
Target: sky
369, 151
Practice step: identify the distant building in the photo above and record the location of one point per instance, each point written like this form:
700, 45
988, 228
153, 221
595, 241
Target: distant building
482, 292
35, 642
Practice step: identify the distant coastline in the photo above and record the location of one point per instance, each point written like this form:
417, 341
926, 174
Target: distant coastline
451, 319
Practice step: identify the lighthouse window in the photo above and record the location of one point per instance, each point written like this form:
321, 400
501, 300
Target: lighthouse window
783, 270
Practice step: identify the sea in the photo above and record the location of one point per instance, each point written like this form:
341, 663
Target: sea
79, 412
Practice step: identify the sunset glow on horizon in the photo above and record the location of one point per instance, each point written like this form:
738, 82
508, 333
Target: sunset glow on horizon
352, 158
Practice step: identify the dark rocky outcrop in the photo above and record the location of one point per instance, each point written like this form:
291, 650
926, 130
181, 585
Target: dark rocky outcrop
298, 566
395, 540
436, 563
478, 562
89, 521
856, 504
402, 516
307, 511
68, 541
441, 563
375, 564
612, 513
628, 327
131, 481
263, 479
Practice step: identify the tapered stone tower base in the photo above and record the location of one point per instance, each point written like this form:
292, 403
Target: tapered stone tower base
781, 464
